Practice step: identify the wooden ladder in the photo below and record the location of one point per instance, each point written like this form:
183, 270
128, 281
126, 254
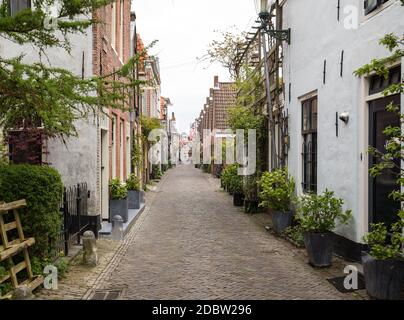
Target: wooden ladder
10, 248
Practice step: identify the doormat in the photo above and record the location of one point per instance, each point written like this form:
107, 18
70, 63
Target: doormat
338, 283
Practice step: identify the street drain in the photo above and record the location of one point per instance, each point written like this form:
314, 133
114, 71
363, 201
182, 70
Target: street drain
338, 283
113, 294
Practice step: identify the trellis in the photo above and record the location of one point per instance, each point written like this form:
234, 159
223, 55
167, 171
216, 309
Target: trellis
251, 54
11, 246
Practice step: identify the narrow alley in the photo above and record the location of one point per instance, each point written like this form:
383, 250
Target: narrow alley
192, 243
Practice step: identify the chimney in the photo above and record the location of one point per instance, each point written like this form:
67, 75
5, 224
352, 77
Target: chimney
173, 117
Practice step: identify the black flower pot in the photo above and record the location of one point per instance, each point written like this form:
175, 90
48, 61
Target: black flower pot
281, 220
119, 208
238, 199
133, 199
383, 278
319, 247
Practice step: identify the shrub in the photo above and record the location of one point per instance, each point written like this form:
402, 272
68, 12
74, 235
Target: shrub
295, 235
250, 188
156, 172
318, 213
384, 246
235, 180
277, 190
117, 189
133, 182
42, 188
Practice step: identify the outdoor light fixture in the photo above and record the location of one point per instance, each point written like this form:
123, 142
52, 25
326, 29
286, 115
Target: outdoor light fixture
264, 7
344, 116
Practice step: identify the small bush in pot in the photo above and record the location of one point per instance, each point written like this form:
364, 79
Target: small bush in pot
318, 215
236, 186
250, 189
383, 267
133, 186
118, 203
277, 193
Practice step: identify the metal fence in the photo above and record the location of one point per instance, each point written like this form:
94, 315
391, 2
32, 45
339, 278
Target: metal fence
74, 211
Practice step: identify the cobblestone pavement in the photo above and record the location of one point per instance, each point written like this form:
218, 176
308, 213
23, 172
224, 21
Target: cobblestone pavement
191, 243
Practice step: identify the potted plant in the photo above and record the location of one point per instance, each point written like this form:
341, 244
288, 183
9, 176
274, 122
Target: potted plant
133, 186
118, 204
317, 215
383, 266
277, 190
250, 188
236, 185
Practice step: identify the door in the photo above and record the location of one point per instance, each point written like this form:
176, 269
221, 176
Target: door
104, 175
382, 208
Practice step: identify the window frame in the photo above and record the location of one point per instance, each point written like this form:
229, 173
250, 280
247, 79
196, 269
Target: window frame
309, 145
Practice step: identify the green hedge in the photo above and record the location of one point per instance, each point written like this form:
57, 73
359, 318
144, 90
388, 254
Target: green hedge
42, 188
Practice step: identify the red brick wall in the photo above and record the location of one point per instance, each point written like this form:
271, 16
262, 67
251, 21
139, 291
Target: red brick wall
106, 60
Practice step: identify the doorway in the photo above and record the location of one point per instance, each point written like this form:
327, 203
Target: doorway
382, 208
104, 175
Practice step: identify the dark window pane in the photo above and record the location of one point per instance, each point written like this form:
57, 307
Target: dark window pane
371, 5
18, 5
314, 114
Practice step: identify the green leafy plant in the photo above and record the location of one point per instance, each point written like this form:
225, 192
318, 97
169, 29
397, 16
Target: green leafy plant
384, 246
295, 235
118, 190
156, 172
235, 180
137, 159
319, 213
133, 182
42, 188
148, 125
277, 190
250, 187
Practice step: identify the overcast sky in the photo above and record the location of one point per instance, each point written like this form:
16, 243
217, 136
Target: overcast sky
184, 29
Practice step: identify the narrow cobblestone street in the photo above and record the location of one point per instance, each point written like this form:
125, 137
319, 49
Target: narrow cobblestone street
192, 243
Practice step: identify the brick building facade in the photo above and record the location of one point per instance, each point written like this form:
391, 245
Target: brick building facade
214, 113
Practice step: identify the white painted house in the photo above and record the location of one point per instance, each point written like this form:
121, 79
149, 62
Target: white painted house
330, 39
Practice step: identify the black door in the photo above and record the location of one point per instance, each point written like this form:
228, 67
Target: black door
381, 207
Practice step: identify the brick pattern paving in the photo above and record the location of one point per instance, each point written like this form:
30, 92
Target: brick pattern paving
191, 243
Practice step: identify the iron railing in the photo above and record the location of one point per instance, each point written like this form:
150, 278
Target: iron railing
74, 210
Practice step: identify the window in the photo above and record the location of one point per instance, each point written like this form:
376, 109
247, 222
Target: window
16, 6
113, 24
309, 149
372, 5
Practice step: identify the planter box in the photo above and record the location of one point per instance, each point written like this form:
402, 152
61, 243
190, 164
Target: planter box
383, 278
118, 207
281, 220
238, 199
133, 199
319, 248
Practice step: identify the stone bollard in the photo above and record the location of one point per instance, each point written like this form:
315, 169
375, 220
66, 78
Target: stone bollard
23, 293
90, 257
117, 228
